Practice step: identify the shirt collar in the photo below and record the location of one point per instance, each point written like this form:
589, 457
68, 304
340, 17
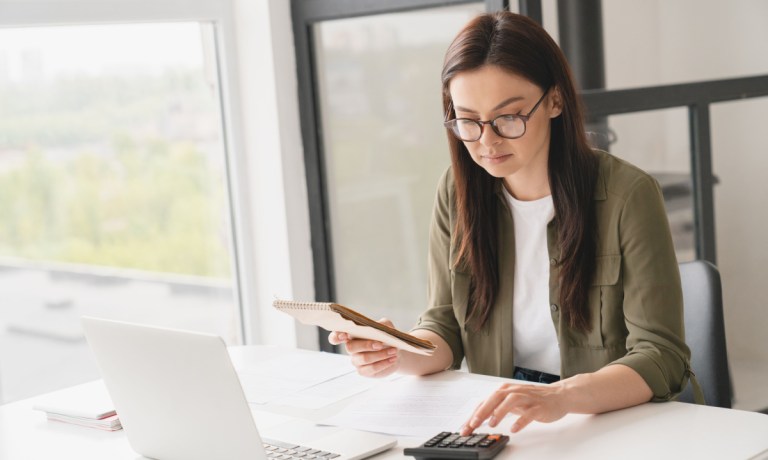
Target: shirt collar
600, 193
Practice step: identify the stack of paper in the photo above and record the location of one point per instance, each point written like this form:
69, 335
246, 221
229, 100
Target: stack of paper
109, 422
86, 405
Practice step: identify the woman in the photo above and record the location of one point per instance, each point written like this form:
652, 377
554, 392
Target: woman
548, 261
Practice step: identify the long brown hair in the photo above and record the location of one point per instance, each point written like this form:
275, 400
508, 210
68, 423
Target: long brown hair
519, 45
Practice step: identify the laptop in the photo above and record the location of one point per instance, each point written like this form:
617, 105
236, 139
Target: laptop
178, 397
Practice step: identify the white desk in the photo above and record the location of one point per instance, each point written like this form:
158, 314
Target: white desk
666, 430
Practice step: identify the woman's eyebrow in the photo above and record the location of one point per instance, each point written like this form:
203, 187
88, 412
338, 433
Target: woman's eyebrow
506, 102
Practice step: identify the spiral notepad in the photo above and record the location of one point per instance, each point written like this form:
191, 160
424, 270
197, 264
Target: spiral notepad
335, 317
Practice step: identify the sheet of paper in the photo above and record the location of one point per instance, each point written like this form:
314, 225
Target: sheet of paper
269, 379
88, 400
414, 406
332, 391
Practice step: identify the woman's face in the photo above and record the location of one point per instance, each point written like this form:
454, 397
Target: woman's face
490, 91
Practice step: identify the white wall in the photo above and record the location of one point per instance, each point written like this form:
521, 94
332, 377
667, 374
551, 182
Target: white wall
275, 192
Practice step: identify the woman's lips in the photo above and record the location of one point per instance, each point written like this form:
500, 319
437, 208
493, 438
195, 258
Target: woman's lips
493, 159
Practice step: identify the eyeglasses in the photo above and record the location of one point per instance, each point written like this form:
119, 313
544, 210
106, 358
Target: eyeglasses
506, 126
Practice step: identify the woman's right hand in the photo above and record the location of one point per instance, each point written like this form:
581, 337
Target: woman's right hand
371, 357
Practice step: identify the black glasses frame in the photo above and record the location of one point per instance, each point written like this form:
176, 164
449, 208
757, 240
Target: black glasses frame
452, 124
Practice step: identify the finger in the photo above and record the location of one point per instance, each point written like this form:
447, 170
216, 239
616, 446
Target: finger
386, 370
488, 406
386, 322
465, 430
514, 403
359, 346
370, 357
378, 368
522, 422
336, 338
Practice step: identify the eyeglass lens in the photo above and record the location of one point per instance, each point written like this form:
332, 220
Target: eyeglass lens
508, 126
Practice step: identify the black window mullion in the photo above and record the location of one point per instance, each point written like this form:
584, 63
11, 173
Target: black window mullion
322, 255
703, 182
532, 9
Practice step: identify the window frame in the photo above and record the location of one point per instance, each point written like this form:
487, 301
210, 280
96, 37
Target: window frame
306, 14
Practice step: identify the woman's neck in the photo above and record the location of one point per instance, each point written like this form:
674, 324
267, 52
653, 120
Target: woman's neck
527, 188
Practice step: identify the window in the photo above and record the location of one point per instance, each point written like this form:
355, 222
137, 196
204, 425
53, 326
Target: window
384, 151
114, 192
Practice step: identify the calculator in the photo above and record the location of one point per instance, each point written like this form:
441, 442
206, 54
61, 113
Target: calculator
449, 445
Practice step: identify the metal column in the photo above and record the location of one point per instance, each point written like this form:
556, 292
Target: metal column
581, 39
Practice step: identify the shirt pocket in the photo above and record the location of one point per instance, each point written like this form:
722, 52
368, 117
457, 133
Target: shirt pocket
605, 302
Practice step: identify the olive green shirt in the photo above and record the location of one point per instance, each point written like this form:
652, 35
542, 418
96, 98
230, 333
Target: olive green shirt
635, 300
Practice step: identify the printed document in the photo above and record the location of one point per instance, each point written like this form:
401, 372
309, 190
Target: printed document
271, 378
414, 406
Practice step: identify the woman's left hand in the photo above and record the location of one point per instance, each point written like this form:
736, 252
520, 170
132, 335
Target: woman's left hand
542, 403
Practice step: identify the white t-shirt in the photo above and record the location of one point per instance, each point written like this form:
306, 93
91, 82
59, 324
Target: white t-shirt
534, 336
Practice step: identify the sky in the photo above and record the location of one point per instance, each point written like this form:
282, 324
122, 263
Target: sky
93, 50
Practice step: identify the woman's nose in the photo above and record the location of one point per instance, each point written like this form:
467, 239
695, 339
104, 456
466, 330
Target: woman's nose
488, 135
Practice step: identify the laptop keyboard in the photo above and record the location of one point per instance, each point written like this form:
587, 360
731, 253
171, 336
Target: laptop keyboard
285, 451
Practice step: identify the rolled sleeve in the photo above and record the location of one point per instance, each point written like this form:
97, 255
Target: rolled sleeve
439, 316
653, 302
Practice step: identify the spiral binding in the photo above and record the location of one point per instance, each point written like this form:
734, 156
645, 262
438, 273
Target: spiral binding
296, 305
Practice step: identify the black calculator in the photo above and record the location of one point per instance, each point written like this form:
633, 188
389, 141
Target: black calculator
478, 446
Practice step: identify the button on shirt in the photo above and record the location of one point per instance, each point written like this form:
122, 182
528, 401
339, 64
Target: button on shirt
534, 336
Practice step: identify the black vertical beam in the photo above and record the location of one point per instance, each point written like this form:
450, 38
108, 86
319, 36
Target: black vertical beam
532, 9
322, 255
581, 39
703, 182
492, 6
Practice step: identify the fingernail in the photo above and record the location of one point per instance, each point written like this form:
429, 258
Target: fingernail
392, 351
393, 359
376, 346
492, 421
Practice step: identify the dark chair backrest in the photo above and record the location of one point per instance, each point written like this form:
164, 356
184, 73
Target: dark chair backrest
705, 332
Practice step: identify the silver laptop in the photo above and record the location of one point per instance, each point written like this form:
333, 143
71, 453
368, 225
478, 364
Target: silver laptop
178, 397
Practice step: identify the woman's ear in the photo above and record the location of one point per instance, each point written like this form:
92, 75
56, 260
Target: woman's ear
555, 102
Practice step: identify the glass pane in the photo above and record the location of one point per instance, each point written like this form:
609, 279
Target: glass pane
655, 43
739, 160
113, 192
658, 142
385, 149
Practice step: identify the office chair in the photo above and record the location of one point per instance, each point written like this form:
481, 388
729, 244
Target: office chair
705, 332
